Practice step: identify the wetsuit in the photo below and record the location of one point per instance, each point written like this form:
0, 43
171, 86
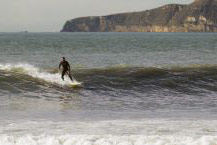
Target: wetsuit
66, 69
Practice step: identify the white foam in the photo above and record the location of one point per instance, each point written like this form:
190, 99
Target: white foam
146, 132
37, 73
106, 140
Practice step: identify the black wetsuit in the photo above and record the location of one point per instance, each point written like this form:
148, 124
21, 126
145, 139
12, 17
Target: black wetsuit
66, 69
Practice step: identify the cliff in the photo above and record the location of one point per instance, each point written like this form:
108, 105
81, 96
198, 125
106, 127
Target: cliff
199, 16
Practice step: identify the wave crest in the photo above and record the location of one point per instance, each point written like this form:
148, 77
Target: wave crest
35, 73
184, 79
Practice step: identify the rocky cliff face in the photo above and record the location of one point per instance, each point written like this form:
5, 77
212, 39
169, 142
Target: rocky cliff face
200, 16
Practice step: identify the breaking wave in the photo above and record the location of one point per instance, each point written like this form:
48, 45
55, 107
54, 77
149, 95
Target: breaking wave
35, 72
184, 79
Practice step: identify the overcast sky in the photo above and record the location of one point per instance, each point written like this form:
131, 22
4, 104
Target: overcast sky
50, 15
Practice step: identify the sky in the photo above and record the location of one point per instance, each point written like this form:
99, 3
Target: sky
50, 15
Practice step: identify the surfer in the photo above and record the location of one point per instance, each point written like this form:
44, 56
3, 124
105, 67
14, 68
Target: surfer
66, 68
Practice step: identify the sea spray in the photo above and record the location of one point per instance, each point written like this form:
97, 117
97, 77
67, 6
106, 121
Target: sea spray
35, 73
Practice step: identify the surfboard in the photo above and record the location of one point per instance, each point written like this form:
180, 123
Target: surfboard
75, 84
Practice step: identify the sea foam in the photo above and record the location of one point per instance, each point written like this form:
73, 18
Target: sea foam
116, 132
37, 73
106, 140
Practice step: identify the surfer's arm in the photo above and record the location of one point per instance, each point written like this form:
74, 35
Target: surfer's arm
60, 65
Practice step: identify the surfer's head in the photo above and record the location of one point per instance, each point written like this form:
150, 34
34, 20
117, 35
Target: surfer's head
63, 58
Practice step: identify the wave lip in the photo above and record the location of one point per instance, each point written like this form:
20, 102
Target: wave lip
35, 72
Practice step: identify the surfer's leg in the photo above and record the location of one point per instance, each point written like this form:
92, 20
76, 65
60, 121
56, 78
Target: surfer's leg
63, 73
69, 74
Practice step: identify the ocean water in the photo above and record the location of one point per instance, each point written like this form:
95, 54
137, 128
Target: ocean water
137, 89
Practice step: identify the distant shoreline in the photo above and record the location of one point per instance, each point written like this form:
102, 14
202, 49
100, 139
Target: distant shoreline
199, 16
94, 32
